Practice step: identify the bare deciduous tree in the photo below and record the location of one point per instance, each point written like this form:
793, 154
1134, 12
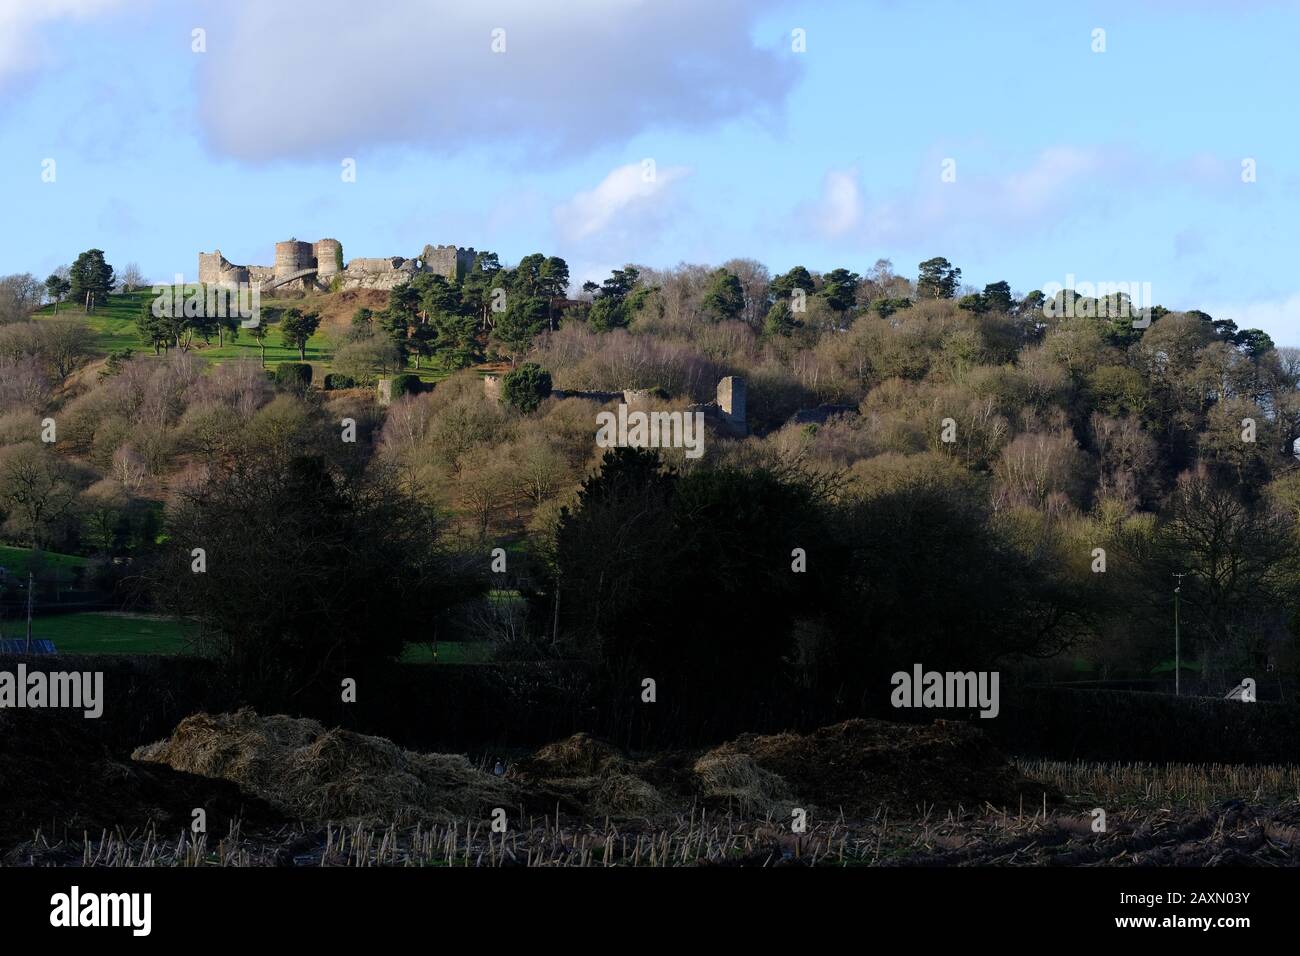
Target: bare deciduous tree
132, 278
34, 491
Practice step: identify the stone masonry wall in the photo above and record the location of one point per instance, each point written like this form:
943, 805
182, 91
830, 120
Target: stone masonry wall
326, 255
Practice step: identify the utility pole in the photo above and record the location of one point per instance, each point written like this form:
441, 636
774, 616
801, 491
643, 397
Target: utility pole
1178, 667
31, 587
555, 628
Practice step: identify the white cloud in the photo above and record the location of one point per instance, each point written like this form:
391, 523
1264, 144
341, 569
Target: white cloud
839, 209
1280, 318
629, 191
1021, 199
21, 47
280, 82
1040, 186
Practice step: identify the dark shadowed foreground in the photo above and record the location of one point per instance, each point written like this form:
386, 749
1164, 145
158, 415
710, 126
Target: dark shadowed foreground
287, 791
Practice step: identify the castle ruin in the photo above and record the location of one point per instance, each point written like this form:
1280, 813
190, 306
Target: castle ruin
319, 266
727, 411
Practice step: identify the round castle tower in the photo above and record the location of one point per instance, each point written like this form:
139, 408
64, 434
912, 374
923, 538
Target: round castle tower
329, 258
292, 256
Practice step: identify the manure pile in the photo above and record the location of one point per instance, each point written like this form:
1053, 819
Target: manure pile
312, 773
56, 776
861, 765
858, 767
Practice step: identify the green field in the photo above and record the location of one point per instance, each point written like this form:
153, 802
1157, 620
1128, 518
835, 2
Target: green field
112, 632
108, 632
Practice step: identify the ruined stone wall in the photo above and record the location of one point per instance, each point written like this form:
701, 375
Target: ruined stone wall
731, 402
215, 269
727, 413
374, 266
378, 273
210, 266
465, 260
450, 262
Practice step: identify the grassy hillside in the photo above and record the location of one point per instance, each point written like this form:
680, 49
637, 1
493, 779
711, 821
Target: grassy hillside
113, 324
113, 328
18, 561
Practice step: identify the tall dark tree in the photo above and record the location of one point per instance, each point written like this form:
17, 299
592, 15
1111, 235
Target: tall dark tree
402, 314
1253, 342
780, 320
526, 278
938, 279
996, 297
554, 284
301, 561
456, 344
840, 289
422, 341
155, 330
783, 286
91, 279
477, 286
57, 288
296, 327
436, 294
720, 542
519, 324
617, 299
725, 297
555, 277
893, 606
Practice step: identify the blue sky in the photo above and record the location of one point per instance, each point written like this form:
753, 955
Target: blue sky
1122, 165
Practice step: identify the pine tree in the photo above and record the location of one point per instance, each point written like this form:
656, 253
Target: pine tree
938, 279
91, 279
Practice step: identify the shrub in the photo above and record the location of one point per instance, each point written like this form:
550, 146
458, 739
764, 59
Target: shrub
293, 376
527, 386
407, 385
336, 380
